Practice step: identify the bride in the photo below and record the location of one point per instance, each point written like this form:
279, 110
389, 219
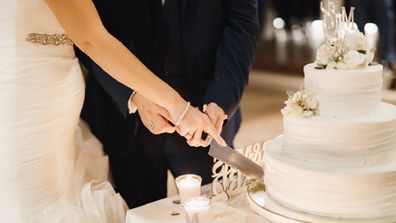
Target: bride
51, 168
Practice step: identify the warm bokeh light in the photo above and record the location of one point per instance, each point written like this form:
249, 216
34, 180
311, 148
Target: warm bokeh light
316, 34
278, 23
317, 25
370, 28
371, 31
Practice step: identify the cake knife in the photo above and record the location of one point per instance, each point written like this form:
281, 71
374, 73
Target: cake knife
236, 160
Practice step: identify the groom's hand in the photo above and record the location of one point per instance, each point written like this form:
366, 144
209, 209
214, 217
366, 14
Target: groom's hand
217, 116
154, 117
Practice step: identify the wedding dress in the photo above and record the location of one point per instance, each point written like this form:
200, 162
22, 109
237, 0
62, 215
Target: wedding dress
52, 169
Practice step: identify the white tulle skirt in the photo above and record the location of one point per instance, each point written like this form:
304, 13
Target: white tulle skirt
90, 197
52, 169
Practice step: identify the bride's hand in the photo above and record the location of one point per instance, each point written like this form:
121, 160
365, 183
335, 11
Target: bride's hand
193, 124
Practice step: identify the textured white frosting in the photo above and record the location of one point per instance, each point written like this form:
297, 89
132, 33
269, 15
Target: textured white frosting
362, 140
345, 93
328, 190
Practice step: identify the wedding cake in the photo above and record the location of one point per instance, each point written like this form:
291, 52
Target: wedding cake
337, 156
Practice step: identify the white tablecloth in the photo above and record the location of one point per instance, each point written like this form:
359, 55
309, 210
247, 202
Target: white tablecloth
236, 210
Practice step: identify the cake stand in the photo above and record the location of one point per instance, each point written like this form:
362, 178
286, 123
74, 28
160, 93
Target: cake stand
260, 202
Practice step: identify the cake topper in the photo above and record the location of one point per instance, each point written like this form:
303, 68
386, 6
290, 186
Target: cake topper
229, 181
336, 24
345, 47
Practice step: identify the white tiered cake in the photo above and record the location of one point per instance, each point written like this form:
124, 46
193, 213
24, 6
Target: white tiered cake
337, 156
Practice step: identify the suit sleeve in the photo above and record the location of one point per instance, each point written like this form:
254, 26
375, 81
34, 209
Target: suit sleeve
234, 55
117, 91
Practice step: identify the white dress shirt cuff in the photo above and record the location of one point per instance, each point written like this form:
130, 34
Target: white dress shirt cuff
131, 106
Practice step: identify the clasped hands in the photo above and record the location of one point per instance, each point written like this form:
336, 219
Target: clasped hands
156, 119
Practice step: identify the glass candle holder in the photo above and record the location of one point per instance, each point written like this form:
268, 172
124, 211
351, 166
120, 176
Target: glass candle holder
197, 209
189, 185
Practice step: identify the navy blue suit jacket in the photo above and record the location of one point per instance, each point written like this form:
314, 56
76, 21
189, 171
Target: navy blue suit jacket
218, 38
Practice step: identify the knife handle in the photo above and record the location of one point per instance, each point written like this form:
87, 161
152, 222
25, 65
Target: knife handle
205, 136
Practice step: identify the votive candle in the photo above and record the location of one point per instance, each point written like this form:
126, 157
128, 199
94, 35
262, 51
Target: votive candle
197, 209
189, 185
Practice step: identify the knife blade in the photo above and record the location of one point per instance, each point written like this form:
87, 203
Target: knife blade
236, 160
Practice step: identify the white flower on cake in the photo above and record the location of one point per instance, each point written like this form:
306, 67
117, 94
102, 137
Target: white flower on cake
353, 59
344, 55
323, 54
302, 104
345, 47
355, 40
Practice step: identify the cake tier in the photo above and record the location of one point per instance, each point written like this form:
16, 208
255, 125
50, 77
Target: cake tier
329, 190
346, 93
362, 140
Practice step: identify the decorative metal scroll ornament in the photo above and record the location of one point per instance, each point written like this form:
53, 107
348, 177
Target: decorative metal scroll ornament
228, 181
336, 24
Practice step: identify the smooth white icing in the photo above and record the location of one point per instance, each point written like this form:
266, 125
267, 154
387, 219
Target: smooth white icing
362, 140
323, 189
345, 93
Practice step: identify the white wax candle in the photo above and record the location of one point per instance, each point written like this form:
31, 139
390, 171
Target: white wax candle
189, 186
197, 209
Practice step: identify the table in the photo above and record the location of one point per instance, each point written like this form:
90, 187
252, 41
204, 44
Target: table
235, 210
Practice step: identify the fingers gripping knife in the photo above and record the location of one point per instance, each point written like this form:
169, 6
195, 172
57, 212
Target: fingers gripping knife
233, 158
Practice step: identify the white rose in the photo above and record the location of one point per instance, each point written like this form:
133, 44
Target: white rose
301, 104
323, 54
311, 102
296, 110
355, 40
304, 96
296, 97
292, 110
353, 59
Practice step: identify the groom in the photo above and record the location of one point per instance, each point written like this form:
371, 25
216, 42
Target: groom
203, 49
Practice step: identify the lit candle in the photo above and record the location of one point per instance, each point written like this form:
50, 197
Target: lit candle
189, 185
197, 209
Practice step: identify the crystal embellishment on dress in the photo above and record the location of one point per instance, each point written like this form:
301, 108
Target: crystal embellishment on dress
49, 39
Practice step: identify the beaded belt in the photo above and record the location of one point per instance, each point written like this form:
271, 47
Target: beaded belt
49, 39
